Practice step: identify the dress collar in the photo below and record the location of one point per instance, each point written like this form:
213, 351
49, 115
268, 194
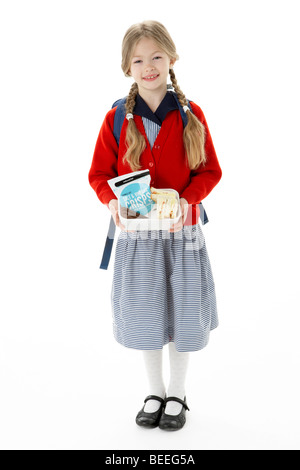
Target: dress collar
167, 104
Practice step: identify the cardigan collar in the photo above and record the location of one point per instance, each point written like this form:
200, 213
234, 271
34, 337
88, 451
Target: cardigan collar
167, 104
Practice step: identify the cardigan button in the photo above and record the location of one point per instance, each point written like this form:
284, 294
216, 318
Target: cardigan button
151, 164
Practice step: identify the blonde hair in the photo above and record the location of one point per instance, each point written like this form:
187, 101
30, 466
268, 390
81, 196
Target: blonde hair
194, 131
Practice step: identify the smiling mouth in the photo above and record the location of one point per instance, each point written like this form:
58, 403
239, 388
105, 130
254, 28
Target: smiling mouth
151, 77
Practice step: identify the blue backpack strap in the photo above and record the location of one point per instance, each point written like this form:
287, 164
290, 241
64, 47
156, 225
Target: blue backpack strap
203, 215
119, 117
108, 244
118, 123
182, 113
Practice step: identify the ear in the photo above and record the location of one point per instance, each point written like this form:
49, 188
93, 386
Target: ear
172, 62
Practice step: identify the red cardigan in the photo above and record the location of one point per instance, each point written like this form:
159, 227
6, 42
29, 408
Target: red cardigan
166, 161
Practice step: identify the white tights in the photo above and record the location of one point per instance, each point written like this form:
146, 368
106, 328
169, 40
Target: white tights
178, 369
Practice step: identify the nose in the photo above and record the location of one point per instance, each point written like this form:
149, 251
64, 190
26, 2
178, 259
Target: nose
149, 67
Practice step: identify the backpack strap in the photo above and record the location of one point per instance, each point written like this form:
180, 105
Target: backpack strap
182, 113
108, 244
118, 123
203, 215
119, 117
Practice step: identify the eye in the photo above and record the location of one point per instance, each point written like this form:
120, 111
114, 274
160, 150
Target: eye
157, 57
137, 61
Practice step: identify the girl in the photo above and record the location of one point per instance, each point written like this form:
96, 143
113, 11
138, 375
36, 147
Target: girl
163, 288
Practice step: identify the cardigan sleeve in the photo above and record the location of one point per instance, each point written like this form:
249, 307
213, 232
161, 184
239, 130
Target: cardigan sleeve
205, 178
105, 160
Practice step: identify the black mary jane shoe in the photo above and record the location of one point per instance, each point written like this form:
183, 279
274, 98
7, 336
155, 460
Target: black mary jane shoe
174, 422
150, 420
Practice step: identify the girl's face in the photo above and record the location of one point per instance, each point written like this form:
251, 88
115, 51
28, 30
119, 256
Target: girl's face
150, 65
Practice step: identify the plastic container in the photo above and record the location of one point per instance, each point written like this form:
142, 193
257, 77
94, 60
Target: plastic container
152, 222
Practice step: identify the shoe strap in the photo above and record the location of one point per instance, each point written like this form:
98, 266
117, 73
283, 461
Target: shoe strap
154, 397
183, 403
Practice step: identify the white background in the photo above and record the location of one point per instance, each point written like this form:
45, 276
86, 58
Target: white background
65, 382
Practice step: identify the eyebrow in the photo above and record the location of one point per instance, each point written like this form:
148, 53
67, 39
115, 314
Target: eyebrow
156, 52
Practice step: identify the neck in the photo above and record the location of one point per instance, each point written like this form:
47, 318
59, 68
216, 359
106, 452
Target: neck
153, 98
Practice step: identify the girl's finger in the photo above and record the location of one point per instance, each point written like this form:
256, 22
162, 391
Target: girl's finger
176, 227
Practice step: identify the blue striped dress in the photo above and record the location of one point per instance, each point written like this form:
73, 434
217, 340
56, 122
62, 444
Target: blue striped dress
163, 288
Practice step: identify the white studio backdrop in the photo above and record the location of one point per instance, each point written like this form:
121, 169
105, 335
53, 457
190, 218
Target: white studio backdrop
65, 382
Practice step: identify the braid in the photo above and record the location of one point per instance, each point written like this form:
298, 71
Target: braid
130, 102
181, 97
135, 141
194, 131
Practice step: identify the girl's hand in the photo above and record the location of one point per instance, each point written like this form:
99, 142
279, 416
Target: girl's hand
184, 211
113, 207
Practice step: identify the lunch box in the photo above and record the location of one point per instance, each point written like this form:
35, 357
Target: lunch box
151, 222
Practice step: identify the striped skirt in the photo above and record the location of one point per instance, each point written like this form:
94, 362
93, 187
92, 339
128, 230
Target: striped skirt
163, 290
